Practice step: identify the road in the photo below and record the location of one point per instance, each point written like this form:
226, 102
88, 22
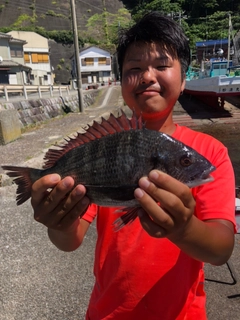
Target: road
39, 282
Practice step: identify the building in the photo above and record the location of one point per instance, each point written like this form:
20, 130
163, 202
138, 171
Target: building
206, 50
95, 65
12, 67
36, 56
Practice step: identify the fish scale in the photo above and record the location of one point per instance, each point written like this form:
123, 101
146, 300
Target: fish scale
110, 158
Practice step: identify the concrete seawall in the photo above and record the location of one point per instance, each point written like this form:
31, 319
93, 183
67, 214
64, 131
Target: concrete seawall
19, 114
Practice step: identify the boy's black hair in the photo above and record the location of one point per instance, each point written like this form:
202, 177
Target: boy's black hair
154, 27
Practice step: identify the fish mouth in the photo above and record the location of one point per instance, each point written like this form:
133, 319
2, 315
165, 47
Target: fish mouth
200, 181
202, 178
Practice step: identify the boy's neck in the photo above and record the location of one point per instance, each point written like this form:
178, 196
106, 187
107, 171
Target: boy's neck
164, 125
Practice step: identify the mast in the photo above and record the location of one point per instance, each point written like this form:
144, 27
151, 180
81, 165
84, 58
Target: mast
229, 39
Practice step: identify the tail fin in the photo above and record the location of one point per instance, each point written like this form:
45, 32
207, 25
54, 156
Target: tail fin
23, 179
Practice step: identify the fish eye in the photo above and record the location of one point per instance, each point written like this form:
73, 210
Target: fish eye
185, 161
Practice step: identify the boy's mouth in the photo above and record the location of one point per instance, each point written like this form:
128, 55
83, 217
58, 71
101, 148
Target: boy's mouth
149, 90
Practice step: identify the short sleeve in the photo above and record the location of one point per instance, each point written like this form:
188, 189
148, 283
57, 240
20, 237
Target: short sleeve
91, 213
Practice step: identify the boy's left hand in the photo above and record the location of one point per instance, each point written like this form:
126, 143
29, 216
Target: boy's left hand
168, 205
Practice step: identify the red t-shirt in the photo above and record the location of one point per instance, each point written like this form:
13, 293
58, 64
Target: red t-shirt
143, 278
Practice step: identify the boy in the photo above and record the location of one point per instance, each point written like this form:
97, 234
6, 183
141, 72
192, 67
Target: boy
152, 268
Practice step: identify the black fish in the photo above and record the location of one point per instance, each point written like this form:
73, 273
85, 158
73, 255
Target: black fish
110, 158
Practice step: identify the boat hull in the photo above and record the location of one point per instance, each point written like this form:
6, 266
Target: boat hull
220, 86
213, 90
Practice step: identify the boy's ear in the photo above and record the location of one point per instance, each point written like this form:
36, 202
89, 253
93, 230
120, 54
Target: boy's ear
183, 82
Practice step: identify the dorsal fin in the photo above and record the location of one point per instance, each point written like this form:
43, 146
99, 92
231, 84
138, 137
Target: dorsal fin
93, 132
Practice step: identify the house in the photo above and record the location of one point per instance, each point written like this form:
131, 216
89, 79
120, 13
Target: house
206, 50
12, 68
36, 56
95, 65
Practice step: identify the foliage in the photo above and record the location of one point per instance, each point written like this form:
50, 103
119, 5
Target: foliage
65, 37
164, 6
103, 28
54, 14
23, 21
200, 20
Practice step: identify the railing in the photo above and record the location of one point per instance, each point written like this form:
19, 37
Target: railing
6, 90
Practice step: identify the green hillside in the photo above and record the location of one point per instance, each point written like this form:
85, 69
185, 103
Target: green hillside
50, 14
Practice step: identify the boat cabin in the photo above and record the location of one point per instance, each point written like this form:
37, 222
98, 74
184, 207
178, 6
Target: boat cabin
220, 68
214, 68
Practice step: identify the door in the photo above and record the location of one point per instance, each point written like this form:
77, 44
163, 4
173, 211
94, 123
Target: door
4, 77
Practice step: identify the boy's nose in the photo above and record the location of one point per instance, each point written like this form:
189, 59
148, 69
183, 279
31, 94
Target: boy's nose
148, 76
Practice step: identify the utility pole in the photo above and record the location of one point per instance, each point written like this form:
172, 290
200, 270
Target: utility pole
76, 49
105, 21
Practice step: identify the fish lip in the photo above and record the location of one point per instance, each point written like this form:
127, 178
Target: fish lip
200, 181
203, 178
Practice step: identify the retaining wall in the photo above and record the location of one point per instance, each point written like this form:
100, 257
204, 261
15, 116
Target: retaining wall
32, 111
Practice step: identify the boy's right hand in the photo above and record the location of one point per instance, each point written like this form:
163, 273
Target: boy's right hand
56, 203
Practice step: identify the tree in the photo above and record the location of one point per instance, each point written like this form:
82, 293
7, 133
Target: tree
164, 6
97, 24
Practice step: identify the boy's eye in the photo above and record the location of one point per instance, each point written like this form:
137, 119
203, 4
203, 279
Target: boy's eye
135, 68
162, 67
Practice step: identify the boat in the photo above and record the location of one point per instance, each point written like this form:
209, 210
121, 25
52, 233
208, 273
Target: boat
216, 79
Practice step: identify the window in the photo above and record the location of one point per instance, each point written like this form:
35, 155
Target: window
34, 58
106, 73
89, 61
43, 58
102, 61
40, 58
16, 52
26, 58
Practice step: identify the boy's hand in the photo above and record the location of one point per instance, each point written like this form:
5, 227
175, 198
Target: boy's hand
171, 218
60, 207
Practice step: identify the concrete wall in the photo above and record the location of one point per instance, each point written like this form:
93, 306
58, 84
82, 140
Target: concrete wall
9, 126
17, 115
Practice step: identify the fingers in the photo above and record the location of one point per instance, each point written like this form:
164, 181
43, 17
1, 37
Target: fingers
60, 207
170, 192
40, 186
150, 206
168, 204
168, 183
155, 228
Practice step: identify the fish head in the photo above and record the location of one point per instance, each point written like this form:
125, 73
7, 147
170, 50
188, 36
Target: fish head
186, 165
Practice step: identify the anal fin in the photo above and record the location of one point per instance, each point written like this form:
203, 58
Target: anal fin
128, 217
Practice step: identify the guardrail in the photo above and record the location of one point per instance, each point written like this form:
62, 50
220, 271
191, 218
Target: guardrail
6, 90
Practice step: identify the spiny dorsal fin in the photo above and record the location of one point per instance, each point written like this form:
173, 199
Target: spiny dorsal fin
93, 132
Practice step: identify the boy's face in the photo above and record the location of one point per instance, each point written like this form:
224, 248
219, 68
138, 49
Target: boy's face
151, 80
